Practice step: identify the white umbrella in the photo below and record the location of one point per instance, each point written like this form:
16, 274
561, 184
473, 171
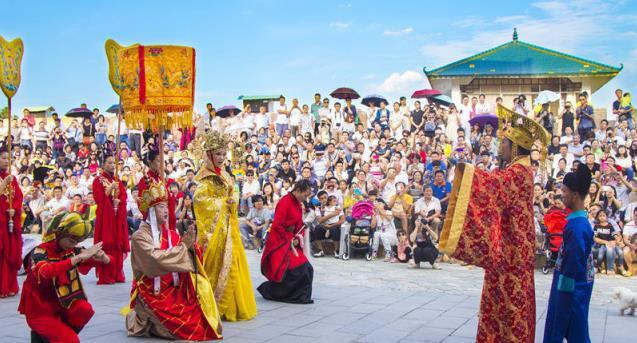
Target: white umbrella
546, 96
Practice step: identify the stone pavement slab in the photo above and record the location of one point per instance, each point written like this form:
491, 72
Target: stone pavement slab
355, 301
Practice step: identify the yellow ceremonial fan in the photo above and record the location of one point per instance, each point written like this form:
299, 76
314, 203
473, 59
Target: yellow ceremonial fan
10, 60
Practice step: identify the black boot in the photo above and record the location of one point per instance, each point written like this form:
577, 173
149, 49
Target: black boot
35, 338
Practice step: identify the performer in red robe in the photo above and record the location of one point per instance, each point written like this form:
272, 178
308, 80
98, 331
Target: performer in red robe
171, 297
490, 224
111, 226
154, 164
283, 263
10, 238
53, 299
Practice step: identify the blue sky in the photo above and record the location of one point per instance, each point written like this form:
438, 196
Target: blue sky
300, 47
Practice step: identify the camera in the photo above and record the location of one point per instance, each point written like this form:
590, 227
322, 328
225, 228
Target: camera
424, 221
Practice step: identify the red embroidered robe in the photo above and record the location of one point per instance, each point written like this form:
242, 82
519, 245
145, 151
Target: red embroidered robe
490, 224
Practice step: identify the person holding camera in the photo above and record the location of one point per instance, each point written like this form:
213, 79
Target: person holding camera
427, 210
584, 114
329, 218
424, 249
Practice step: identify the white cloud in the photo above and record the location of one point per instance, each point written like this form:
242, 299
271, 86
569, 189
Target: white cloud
339, 25
402, 32
581, 25
470, 21
511, 19
400, 84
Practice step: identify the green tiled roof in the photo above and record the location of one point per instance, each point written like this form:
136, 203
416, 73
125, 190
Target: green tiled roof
259, 97
517, 58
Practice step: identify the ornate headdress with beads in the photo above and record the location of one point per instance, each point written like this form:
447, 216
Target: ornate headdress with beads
153, 195
521, 130
215, 140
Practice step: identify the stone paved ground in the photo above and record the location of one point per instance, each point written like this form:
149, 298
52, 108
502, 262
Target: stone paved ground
355, 301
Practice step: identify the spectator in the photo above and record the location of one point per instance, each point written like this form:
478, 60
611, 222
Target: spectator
606, 237
428, 210
257, 220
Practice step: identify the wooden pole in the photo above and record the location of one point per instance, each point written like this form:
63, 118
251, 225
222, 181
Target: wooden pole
160, 146
117, 138
9, 149
117, 151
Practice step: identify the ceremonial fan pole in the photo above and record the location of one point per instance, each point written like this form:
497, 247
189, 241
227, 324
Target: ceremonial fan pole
10, 150
10, 60
117, 151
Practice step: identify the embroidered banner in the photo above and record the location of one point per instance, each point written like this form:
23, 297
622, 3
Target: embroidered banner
156, 83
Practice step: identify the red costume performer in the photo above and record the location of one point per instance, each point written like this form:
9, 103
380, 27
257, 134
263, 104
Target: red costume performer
111, 226
10, 242
53, 299
284, 264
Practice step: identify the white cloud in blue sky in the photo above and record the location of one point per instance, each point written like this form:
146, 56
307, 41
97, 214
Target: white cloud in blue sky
298, 48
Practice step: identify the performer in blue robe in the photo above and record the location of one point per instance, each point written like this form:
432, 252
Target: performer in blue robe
567, 314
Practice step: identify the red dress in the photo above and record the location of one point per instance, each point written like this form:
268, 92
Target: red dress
490, 225
53, 299
10, 243
154, 177
288, 271
111, 228
278, 256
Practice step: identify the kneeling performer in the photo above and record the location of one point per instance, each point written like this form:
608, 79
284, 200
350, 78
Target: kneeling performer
283, 263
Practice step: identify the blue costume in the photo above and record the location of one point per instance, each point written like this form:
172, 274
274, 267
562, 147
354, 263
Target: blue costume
567, 314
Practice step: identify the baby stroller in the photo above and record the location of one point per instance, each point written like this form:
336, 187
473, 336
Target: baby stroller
554, 221
360, 235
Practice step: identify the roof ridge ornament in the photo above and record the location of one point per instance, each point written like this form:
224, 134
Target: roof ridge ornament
515, 34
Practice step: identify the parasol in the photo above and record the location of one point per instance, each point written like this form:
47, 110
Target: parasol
441, 100
484, 119
425, 93
10, 77
114, 109
344, 93
373, 99
546, 96
224, 112
79, 112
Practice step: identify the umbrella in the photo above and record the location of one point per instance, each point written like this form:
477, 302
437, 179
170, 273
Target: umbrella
546, 96
79, 113
113, 109
373, 99
441, 100
483, 119
425, 93
344, 93
41, 173
224, 112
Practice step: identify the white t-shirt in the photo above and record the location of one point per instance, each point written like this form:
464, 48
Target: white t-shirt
295, 117
630, 228
422, 205
281, 118
328, 210
325, 115
262, 120
55, 204
250, 187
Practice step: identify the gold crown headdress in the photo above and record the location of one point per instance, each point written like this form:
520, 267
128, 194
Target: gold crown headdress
521, 130
215, 140
153, 195
67, 224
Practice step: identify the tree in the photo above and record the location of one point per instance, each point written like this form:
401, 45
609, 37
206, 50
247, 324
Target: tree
4, 113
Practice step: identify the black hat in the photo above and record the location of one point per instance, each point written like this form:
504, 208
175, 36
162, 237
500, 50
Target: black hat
579, 181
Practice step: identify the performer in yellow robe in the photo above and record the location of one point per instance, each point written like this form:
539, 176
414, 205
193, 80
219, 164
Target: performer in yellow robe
215, 205
490, 224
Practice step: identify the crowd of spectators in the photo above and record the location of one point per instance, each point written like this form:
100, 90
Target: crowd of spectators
399, 155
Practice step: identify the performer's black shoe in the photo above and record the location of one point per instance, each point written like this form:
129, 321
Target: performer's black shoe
35, 338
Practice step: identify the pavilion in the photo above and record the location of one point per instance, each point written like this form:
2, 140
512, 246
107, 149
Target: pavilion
518, 67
